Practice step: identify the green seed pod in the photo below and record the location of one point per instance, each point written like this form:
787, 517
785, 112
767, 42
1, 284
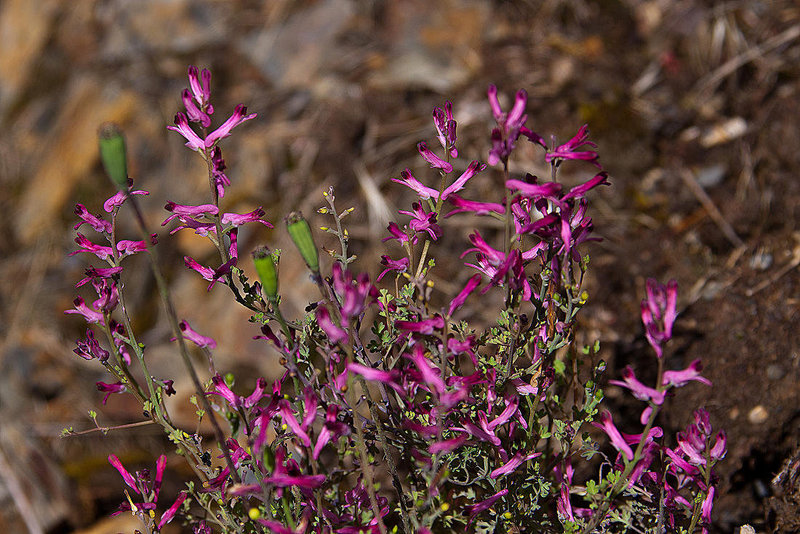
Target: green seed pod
112, 153
300, 232
265, 262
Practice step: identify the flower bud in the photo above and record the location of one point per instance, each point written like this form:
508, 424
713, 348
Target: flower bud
300, 232
265, 262
112, 153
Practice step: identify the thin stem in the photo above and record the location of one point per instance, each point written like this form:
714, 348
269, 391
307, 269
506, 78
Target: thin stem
173, 320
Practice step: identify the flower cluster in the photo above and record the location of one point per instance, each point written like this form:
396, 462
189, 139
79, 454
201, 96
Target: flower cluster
394, 412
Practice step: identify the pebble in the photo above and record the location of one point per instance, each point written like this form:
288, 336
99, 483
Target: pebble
775, 372
758, 415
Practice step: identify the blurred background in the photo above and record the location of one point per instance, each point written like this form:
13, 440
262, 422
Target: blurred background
694, 106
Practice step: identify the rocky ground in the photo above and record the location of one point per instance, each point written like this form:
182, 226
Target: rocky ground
693, 105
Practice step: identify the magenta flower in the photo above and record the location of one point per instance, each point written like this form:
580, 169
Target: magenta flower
606, 423
182, 212
399, 266
108, 389
429, 375
334, 332
101, 251
511, 465
707, 505
90, 348
201, 88
579, 191
127, 247
331, 430
425, 327
287, 473
386, 377
568, 149
91, 316
95, 221
93, 273
195, 142
720, 447
424, 192
309, 414
435, 161
169, 515
353, 294
493, 256
118, 199
534, 190
408, 180
204, 342
422, 221
509, 126
147, 489
221, 180
659, 310
446, 128
481, 430
212, 275
237, 401
399, 235
235, 219
447, 445
639, 390
681, 378
485, 504
459, 300
478, 208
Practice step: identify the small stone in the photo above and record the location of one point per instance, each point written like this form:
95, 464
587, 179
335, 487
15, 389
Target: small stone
758, 415
775, 372
761, 260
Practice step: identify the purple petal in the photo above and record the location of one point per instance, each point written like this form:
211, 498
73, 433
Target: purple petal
435, 161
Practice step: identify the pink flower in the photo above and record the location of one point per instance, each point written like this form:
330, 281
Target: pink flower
509, 126
479, 208
91, 316
422, 221
333, 331
681, 378
606, 423
568, 149
511, 465
459, 300
400, 266
195, 142
101, 251
212, 275
117, 199
659, 310
485, 504
387, 377
108, 389
534, 190
639, 390
94, 221
424, 192
170, 513
198, 339
426, 326
435, 161
446, 128
201, 89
